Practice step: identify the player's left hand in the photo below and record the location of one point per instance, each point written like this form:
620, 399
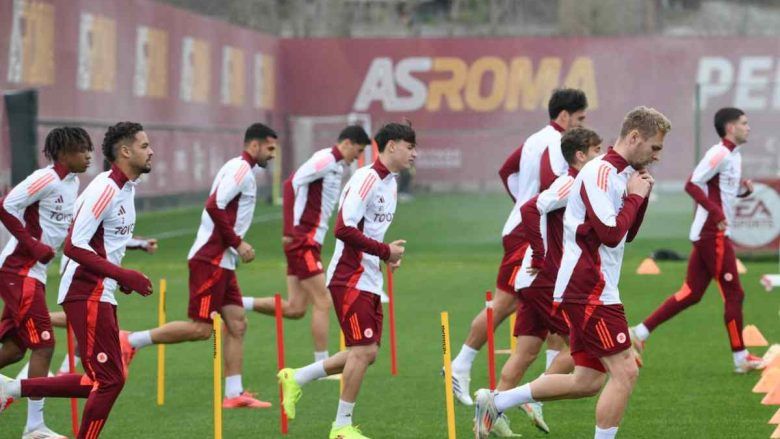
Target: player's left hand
748, 186
151, 246
645, 174
392, 266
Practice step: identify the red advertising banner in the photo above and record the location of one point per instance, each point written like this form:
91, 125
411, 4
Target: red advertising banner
194, 82
475, 100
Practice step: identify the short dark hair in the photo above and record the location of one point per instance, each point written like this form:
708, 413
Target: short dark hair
725, 116
258, 131
569, 99
355, 134
66, 139
577, 139
118, 134
394, 131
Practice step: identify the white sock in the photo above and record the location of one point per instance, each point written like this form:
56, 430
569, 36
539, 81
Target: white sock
344, 414
249, 303
605, 433
309, 373
65, 366
551, 354
233, 386
739, 356
140, 339
321, 355
14, 388
34, 413
462, 363
641, 332
513, 398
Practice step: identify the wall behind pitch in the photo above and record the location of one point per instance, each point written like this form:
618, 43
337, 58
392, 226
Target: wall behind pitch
474, 100
194, 82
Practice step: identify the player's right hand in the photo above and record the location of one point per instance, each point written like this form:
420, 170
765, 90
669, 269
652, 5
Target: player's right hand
135, 281
246, 252
396, 250
722, 225
639, 184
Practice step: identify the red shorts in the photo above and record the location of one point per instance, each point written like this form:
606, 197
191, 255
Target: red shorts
536, 316
360, 315
596, 331
211, 288
25, 317
303, 260
97, 334
514, 249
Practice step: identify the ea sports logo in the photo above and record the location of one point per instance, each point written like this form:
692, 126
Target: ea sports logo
368, 332
728, 277
102, 357
621, 338
46, 335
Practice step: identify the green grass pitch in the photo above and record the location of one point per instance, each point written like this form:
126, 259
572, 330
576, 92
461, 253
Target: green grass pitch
687, 388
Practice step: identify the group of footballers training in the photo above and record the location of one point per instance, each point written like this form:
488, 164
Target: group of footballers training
576, 205
95, 228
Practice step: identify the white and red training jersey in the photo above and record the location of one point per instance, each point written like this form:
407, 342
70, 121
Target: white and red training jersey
311, 194
598, 220
227, 215
540, 163
40, 208
365, 212
104, 222
714, 185
543, 229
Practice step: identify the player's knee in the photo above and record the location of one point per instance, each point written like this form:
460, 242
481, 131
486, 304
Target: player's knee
367, 354
238, 326
296, 313
628, 374
202, 331
16, 356
112, 384
44, 353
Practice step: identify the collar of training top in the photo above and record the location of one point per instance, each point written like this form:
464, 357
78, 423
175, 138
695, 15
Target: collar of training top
248, 158
118, 176
556, 126
336, 153
728, 144
61, 170
380, 169
573, 171
615, 159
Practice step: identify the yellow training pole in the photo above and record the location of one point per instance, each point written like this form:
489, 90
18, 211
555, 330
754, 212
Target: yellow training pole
217, 375
512, 339
342, 347
445, 347
161, 347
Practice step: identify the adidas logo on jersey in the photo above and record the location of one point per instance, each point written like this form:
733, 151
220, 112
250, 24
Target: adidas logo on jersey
59, 200
122, 210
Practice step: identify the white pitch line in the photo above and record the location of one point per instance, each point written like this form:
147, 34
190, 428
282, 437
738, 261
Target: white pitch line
190, 231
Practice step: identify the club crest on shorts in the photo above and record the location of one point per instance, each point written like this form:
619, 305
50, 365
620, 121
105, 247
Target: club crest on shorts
102, 357
45, 335
728, 277
621, 338
368, 332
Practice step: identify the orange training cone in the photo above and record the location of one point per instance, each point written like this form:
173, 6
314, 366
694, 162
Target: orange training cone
648, 266
741, 269
776, 418
753, 337
768, 381
776, 433
774, 364
773, 397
